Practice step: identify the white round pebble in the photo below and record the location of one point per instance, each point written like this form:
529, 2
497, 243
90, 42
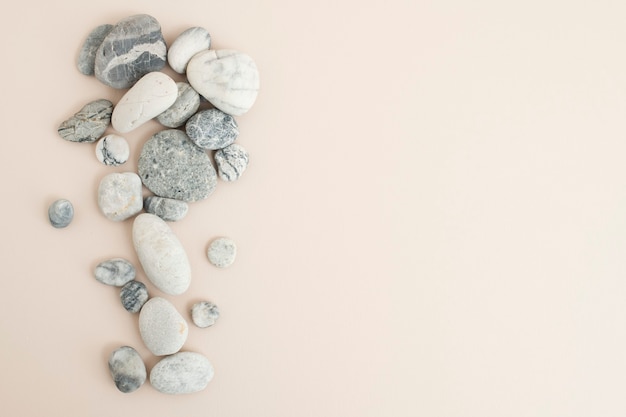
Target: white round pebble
162, 328
204, 314
222, 252
112, 150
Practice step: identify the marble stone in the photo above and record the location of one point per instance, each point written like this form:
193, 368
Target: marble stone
61, 213
88, 124
227, 78
212, 129
204, 314
171, 166
231, 162
154, 93
182, 373
133, 296
127, 369
119, 195
112, 150
168, 209
161, 254
133, 48
87, 54
116, 272
185, 46
162, 328
186, 104
222, 252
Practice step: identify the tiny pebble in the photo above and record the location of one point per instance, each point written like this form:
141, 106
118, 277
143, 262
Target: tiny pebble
112, 150
133, 295
231, 162
204, 314
115, 272
222, 252
127, 369
61, 213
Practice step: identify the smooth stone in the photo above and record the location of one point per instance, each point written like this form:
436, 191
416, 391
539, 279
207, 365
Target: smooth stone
162, 328
227, 78
231, 162
133, 296
60, 213
151, 95
119, 195
127, 369
168, 209
133, 48
171, 166
222, 252
87, 54
88, 124
116, 272
161, 254
182, 373
186, 104
112, 150
185, 46
212, 129
204, 314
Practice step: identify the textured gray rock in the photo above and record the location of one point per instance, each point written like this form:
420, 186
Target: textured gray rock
88, 124
204, 314
162, 328
87, 54
222, 252
133, 296
61, 213
115, 271
133, 48
127, 369
119, 195
212, 129
171, 166
231, 162
167, 209
182, 373
112, 150
186, 104
185, 46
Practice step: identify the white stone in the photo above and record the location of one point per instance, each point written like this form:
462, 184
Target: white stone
182, 373
162, 328
154, 93
112, 150
161, 254
227, 79
185, 46
119, 195
222, 252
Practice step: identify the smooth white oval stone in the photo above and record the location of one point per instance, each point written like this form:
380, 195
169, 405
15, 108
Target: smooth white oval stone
227, 79
154, 93
182, 373
185, 46
161, 254
162, 328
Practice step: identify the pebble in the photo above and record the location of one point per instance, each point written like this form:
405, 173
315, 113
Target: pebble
87, 54
161, 254
227, 78
162, 328
61, 213
231, 162
185, 46
182, 373
133, 296
119, 195
171, 166
212, 129
168, 209
133, 48
154, 93
127, 369
112, 150
88, 124
222, 252
186, 104
204, 314
116, 272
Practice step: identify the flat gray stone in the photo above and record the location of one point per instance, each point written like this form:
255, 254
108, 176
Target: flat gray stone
212, 129
61, 213
182, 373
127, 369
116, 272
89, 123
231, 162
119, 195
167, 209
87, 54
162, 328
112, 150
186, 104
204, 314
185, 46
222, 252
133, 296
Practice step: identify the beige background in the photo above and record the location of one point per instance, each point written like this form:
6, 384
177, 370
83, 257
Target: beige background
433, 222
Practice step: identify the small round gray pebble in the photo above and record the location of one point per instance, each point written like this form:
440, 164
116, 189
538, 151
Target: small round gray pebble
133, 296
222, 252
61, 213
212, 129
127, 369
204, 314
115, 272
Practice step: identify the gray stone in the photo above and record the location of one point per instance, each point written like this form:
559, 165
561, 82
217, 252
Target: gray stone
162, 328
119, 195
61, 213
222, 252
112, 150
185, 46
116, 272
186, 104
171, 166
133, 296
133, 48
87, 55
127, 369
204, 314
231, 162
168, 209
182, 373
212, 129
89, 123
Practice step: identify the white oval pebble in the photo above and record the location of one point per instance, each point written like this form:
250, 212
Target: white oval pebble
112, 150
186, 45
119, 195
127, 369
116, 272
204, 314
182, 373
162, 329
222, 252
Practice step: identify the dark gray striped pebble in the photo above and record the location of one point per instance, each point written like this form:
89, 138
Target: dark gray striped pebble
133, 296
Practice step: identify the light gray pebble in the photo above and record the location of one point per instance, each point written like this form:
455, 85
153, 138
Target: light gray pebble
119, 195
133, 296
182, 373
115, 271
112, 150
61, 213
231, 162
162, 328
204, 314
222, 252
89, 123
87, 54
168, 209
127, 369
212, 129
186, 104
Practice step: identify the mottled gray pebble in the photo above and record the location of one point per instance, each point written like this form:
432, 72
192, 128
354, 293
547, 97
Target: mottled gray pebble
60, 213
133, 295
186, 104
222, 252
162, 328
88, 124
112, 150
204, 314
87, 55
182, 373
168, 209
212, 129
127, 369
119, 195
231, 162
115, 271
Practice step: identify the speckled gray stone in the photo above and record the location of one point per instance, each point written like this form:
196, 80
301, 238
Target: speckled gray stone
115, 271
119, 195
168, 209
87, 54
185, 46
231, 162
182, 373
186, 104
61, 213
133, 296
162, 328
112, 150
222, 252
204, 314
212, 129
171, 166
88, 124
127, 369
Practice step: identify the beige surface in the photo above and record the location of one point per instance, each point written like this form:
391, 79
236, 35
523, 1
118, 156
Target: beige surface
433, 222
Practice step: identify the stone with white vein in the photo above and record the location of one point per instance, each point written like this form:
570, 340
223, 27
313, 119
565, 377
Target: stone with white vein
182, 373
162, 328
185, 46
112, 150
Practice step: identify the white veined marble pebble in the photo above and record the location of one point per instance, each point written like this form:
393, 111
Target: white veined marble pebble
185, 46
222, 252
162, 328
112, 150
